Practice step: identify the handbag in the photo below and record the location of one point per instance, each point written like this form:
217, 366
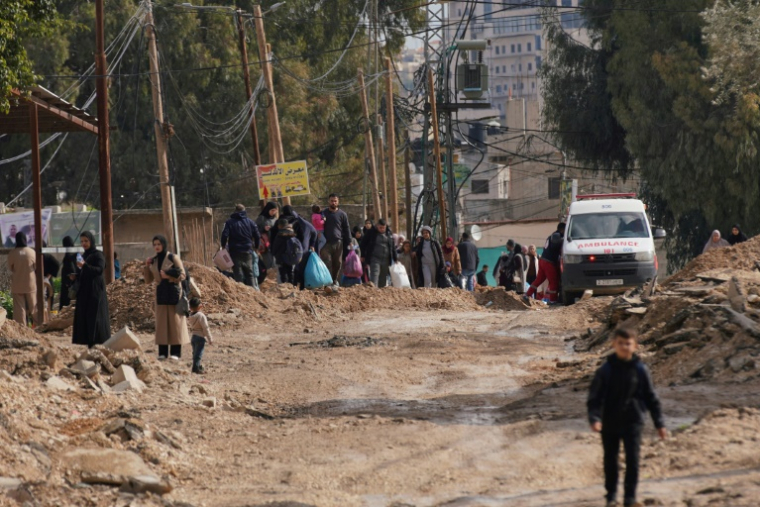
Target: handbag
73, 289
183, 305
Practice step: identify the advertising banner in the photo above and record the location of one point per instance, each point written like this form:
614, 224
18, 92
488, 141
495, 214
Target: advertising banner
288, 179
12, 223
72, 224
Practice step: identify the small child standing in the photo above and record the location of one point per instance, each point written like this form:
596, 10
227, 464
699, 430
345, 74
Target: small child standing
200, 333
621, 394
318, 221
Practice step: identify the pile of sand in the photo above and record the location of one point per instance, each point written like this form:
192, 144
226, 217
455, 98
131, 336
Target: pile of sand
501, 299
742, 256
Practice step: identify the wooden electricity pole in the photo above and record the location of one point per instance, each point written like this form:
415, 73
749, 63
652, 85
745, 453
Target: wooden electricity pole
391, 143
158, 128
437, 153
369, 148
274, 120
104, 150
248, 89
408, 178
381, 165
34, 131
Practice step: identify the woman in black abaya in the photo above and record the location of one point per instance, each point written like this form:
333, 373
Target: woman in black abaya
91, 321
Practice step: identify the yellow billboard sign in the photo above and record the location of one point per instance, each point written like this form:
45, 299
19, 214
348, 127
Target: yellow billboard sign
287, 179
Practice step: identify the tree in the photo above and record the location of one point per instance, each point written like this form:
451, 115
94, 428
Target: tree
20, 20
695, 159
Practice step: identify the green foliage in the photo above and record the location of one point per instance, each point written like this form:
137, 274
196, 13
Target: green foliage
19, 20
693, 142
200, 69
6, 301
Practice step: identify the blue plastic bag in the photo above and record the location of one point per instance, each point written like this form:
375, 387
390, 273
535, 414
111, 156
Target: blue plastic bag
316, 274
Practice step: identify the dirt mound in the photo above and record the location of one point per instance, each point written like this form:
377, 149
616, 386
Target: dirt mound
500, 299
13, 330
741, 256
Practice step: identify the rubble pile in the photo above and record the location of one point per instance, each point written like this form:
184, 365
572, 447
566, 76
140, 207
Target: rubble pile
497, 298
699, 325
744, 256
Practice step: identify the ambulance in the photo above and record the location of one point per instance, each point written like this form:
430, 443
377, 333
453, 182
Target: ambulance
608, 246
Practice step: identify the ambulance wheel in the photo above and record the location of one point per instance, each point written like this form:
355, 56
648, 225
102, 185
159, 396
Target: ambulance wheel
568, 297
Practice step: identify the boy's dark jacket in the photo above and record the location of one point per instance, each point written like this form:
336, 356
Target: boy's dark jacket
621, 394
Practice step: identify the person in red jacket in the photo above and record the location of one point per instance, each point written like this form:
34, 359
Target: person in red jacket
548, 265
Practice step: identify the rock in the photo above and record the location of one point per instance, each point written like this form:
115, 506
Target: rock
673, 348
636, 311
86, 368
110, 466
128, 385
587, 294
7, 376
736, 295
105, 388
209, 402
753, 298
741, 362
124, 373
50, 358
122, 340
684, 335
58, 384
146, 484
9, 482
125, 429
98, 357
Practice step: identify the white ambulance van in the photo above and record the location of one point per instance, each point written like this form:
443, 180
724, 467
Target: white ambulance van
608, 246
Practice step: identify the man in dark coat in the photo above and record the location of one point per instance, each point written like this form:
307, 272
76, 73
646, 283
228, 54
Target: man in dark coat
92, 325
241, 236
379, 251
338, 237
468, 254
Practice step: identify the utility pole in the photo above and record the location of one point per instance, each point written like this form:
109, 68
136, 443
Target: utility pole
104, 150
34, 131
248, 89
437, 154
408, 178
369, 147
158, 127
381, 165
391, 142
279, 155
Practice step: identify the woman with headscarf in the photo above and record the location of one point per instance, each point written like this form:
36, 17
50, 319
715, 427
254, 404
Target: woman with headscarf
451, 254
516, 279
405, 258
68, 272
22, 263
715, 241
167, 270
266, 221
531, 270
736, 236
430, 261
92, 324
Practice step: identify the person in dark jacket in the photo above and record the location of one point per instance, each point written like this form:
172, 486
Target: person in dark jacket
548, 265
379, 251
483, 276
620, 396
468, 255
304, 230
266, 221
241, 236
431, 266
50, 269
337, 236
736, 236
285, 232
503, 264
92, 324
68, 268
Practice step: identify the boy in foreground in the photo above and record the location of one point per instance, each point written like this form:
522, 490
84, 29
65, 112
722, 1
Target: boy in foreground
620, 395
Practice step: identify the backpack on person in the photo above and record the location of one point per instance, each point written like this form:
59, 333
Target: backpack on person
293, 252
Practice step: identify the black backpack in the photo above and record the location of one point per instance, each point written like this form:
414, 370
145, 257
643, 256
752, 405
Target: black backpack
293, 252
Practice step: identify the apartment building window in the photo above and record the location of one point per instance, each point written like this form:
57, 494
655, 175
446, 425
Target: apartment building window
504, 50
538, 43
487, 10
533, 86
528, 47
481, 187
497, 50
553, 188
519, 67
459, 14
538, 62
503, 69
513, 48
530, 67
512, 67
519, 48
497, 69
567, 3
498, 88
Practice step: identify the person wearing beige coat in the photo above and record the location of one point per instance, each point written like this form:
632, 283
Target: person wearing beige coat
167, 270
22, 262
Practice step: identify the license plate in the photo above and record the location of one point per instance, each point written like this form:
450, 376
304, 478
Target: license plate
606, 283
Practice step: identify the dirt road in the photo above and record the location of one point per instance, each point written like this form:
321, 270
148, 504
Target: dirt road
433, 408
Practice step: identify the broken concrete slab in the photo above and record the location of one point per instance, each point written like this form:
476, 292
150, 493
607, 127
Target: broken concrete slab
736, 295
85, 367
10, 483
123, 339
124, 373
146, 484
209, 402
128, 385
104, 462
58, 384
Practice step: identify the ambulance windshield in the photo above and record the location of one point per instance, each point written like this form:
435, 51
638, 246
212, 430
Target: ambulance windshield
608, 226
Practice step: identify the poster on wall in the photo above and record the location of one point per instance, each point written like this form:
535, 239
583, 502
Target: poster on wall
13, 223
287, 179
72, 225
568, 191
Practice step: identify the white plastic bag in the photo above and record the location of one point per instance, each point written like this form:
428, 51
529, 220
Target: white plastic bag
223, 260
399, 278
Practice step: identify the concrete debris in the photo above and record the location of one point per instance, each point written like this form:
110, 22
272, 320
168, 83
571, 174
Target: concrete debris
10, 483
85, 367
128, 385
209, 402
124, 373
104, 466
58, 384
146, 484
123, 339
